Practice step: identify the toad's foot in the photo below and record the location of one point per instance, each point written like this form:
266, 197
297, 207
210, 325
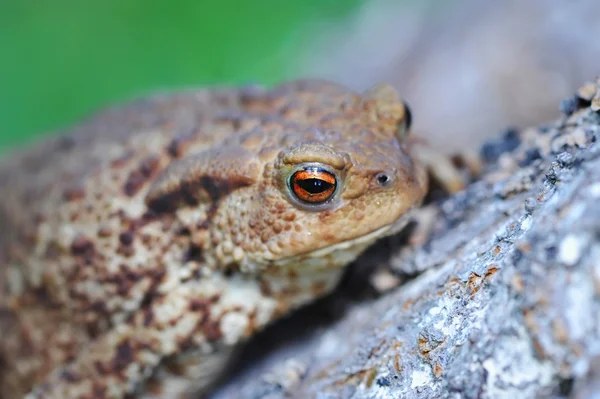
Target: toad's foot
451, 172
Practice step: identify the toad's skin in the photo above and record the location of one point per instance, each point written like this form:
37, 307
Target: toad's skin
143, 245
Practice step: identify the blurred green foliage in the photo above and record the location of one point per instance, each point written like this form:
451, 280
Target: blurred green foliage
61, 59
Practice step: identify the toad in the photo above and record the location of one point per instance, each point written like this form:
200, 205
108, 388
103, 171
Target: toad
142, 246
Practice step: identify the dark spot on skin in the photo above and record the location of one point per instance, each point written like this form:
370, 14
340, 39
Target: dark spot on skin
104, 231
176, 147
74, 194
135, 224
188, 193
215, 188
148, 317
154, 386
184, 345
130, 274
98, 391
230, 270
126, 251
147, 239
53, 251
124, 285
193, 254
149, 165
121, 161
93, 330
156, 276
166, 225
233, 119
134, 183
200, 305
98, 306
126, 238
265, 288
165, 203
69, 376
211, 329
148, 217
252, 97
210, 214
125, 279
43, 296
82, 246
184, 231
123, 356
137, 178
101, 368
119, 213
167, 198
168, 203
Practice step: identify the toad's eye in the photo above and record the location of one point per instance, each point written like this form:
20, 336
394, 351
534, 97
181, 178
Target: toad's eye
313, 185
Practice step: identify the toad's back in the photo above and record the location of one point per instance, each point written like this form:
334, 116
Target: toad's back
166, 126
118, 152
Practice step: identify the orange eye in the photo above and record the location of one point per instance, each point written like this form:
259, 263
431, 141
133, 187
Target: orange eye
313, 184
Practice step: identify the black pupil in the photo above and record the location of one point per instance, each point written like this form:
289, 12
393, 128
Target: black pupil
314, 186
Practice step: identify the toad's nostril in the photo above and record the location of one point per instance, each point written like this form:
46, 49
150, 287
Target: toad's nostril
383, 179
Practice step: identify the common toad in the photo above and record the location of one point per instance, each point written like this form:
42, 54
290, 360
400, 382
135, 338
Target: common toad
143, 245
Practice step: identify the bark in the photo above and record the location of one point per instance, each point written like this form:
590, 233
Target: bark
507, 303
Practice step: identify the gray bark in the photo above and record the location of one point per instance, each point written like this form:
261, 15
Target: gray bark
507, 304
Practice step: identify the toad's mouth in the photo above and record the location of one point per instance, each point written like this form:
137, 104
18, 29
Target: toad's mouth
341, 253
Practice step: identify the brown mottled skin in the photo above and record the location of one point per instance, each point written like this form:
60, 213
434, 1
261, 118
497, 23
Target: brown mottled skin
141, 246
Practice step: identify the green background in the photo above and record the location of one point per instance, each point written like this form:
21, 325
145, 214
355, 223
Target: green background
61, 59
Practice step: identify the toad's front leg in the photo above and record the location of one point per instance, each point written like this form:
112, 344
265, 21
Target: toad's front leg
204, 318
450, 172
445, 169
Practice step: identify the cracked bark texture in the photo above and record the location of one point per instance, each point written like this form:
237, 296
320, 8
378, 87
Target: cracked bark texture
507, 304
